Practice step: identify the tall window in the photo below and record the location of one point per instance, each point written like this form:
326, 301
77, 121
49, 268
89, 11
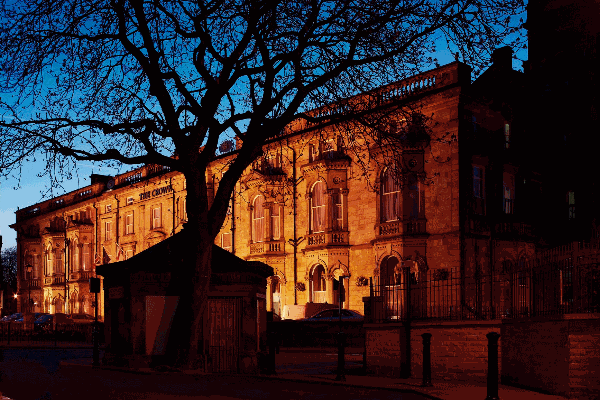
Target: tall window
571, 202
318, 207
258, 220
36, 266
506, 136
129, 223
75, 256
479, 189
107, 230
49, 260
509, 193
313, 152
226, 241
338, 219
275, 222
412, 200
85, 261
156, 218
390, 189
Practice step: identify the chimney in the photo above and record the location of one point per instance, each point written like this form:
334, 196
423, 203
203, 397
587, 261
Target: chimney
502, 57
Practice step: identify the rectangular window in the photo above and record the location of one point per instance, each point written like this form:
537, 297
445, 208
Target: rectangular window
128, 254
508, 193
86, 257
129, 201
226, 241
275, 222
108, 230
479, 189
338, 219
156, 218
129, 223
329, 148
108, 208
313, 152
506, 136
571, 202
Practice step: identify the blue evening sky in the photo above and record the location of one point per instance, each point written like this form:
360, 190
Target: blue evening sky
30, 189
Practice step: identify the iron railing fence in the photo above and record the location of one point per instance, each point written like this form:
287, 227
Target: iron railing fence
450, 295
19, 332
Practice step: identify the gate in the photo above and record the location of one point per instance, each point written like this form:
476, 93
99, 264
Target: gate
225, 315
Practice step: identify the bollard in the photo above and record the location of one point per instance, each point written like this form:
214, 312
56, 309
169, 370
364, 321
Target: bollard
341, 369
426, 360
492, 378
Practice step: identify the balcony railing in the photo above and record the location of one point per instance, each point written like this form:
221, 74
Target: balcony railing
32, 283
54, 280
406, 227
267, 248
327, 238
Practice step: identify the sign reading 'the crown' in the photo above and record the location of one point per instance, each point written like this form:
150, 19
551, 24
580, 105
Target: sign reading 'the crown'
156, 192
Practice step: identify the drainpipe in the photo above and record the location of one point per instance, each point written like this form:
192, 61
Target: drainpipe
173, 212
66, 265
233, 223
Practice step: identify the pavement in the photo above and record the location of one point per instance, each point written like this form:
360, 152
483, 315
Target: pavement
318, 365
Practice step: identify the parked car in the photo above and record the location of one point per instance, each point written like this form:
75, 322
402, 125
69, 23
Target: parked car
46, 322
35, 316
82, 318
12, 317
334, 315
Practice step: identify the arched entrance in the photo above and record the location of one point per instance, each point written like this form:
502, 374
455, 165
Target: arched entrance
393, 288
318, 291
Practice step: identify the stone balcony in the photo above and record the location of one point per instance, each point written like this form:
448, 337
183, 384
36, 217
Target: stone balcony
82, 276
335, 238
54, 280
403, 227
267, 248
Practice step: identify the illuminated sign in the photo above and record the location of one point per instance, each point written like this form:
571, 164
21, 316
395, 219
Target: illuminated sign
156, 192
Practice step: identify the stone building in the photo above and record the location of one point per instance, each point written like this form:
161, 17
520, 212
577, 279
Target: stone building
450, 189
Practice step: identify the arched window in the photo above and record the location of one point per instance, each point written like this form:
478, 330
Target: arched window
258, 220
318, 207
317, 281
390, 195
387, 271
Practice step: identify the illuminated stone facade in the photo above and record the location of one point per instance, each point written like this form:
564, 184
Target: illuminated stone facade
317, 206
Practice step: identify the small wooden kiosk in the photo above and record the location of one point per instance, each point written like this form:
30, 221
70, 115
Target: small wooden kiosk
140, 305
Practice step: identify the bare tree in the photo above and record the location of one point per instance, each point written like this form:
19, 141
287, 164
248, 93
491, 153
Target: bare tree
164, 82
9, 267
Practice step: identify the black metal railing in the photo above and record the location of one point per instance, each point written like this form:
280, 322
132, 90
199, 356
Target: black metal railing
19, 332
448, 295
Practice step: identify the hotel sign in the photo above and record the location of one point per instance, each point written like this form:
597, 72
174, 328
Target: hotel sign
156, 192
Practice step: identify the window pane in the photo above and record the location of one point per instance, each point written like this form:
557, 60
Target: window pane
318, 207
258, 220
